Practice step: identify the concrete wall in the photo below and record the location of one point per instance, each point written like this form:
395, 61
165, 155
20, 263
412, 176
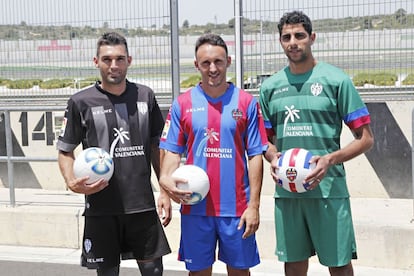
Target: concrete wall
383, 229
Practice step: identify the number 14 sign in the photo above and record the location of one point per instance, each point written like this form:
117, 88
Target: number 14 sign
36, 128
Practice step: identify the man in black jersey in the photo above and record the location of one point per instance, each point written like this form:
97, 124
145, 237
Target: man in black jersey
121, 219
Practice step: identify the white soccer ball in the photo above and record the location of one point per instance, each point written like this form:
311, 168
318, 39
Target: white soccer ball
95, 163
294, 166
198, 182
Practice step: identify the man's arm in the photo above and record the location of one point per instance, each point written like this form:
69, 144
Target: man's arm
363, 141
77, 185
164, 207
272, 155
251, 215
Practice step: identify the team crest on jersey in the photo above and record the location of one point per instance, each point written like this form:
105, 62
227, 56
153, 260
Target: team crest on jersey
142, 107
87, 244
316, 89
236, 114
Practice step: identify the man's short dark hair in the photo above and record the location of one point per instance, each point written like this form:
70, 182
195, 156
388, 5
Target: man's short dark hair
111, 38
295, 17
211, 39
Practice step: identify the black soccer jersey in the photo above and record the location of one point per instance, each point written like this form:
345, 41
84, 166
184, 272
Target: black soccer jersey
125, 126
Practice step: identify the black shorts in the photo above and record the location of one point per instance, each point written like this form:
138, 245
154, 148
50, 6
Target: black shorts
107, 239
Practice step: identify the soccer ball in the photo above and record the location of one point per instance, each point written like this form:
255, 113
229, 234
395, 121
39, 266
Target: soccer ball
95, 163
293, 168
198, 182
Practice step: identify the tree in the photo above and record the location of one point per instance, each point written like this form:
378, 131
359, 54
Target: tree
401, 16
232, 23
368, 23
186, 24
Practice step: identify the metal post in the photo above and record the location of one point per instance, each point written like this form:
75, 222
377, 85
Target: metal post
175, 53
9, 152
412, 159
238, 26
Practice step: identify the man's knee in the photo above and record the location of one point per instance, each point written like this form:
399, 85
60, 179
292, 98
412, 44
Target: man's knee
342, 270
112, 271
151, 268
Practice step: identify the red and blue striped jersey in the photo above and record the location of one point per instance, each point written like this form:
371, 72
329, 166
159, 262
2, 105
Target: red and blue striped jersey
217, 134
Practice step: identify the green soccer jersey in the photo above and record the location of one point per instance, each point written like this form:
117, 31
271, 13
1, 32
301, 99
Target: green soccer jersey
308, 111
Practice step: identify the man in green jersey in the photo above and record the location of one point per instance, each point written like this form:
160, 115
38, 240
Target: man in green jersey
316, 96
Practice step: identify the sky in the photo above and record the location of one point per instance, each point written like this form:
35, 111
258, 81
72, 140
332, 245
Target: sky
144, 13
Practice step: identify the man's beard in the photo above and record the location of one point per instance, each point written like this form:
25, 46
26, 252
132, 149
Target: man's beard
115, 80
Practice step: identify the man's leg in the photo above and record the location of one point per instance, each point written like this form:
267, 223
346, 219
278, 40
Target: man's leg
296, 268
204, 272
346, 270
151, 268
112, 271
237, 272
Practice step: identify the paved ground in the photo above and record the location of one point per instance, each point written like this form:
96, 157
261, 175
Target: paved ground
387, 216
38, 261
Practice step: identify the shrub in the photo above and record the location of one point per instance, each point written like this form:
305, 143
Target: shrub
4, 81
22, 84
191, 81
56, 83
380, 79
85, 82
409, 80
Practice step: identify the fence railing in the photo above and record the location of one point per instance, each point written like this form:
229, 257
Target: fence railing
10, 158
368, 95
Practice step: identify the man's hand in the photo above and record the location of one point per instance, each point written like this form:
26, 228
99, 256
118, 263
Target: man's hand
169, 184
318, 173
164, 208
251, 219
78, 185
274, 167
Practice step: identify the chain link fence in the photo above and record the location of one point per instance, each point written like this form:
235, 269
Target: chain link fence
370, 36
60, 41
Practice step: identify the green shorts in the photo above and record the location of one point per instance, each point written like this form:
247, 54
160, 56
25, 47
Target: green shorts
305, 227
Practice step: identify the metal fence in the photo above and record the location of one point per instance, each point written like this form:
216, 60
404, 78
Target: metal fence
357, 36
368, 35
63, 47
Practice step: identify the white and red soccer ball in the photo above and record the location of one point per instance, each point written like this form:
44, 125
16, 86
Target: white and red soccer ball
197, 182
95, 163
293, 168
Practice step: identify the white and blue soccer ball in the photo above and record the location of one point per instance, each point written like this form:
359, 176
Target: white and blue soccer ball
198, 182
293, 168
93, 162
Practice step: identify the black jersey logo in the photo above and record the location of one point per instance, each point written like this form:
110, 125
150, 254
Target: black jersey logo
142, 107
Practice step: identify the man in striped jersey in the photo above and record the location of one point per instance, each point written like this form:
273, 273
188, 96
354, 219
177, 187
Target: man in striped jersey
304, 106
221, 129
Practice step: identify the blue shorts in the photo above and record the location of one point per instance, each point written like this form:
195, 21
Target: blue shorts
199, 238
